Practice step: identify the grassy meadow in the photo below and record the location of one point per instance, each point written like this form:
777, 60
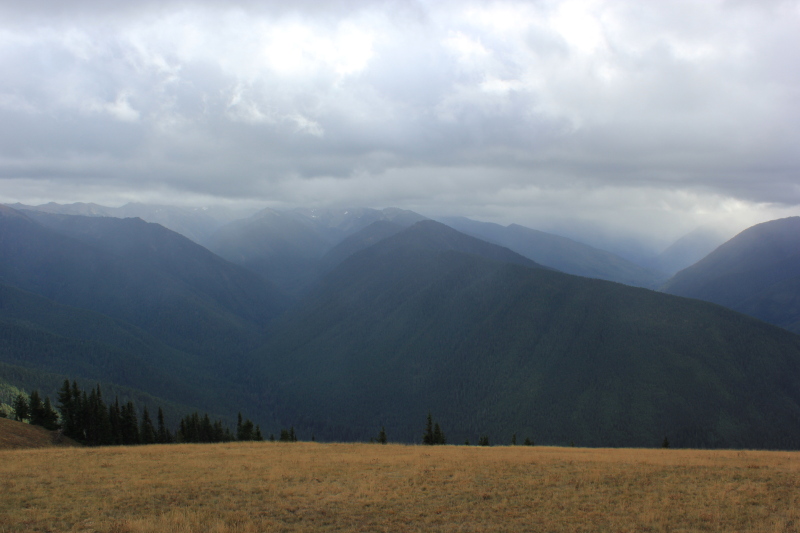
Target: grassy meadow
250, 487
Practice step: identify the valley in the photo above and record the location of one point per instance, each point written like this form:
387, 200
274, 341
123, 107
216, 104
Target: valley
340, 322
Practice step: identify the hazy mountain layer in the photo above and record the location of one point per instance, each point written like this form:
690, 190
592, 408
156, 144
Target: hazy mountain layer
560, 253
757, 272
286, 247
687, 250
195, 223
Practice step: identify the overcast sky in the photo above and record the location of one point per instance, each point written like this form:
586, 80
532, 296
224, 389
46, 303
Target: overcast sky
651, 116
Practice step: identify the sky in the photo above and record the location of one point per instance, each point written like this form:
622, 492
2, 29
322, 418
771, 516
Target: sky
642, 118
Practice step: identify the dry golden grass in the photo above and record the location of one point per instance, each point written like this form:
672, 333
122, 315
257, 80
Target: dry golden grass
360, 487
16, 435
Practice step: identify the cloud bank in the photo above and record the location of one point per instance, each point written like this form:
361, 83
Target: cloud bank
647, 117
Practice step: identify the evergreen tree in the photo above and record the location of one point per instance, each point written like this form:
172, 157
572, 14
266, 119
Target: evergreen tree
245, 430
83, 415
528, 441
427, 437
162, 433
438, 435
665, 443
67, 408
130, 425
260, 437
514, 439
433, 433
103, 433
382, 436
115, 421
21, 408
206, 429
35, 409
147, 433
50, 418
483, 441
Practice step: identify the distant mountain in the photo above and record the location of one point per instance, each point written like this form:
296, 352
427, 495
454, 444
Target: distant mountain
560, 253
431, 320
195, 223
372, 234
286, 247
757, 272
687, 250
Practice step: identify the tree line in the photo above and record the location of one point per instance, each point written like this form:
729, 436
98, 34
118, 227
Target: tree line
87, 419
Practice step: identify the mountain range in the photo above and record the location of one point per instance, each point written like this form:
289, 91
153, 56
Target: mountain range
339, 322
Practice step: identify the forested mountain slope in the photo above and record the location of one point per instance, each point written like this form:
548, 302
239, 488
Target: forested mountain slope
141, 273
129, 303
416, 323
757, 272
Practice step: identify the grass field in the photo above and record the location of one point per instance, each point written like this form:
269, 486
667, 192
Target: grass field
15, 435
364, 487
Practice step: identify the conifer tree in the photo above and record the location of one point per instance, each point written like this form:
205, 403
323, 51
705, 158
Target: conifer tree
21, 408
103, 433
433, 433
382, 436
665, 443
427, 437
147, 433
35, 409
115, 421
514, 439
162, 433
130, 425
50, 417
258, 435
438, 435
67, 408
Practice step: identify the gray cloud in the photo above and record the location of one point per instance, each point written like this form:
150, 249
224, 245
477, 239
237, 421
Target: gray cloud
655, 116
